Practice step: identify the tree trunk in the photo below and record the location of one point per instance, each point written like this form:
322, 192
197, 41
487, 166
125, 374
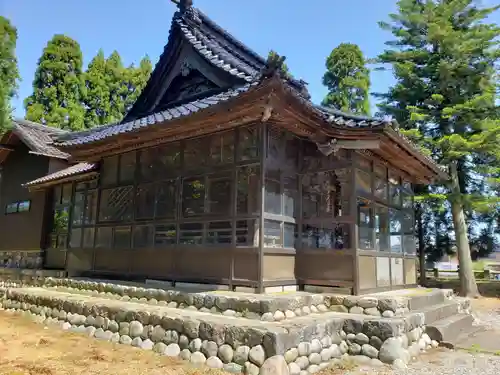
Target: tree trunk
421, 245
468, 286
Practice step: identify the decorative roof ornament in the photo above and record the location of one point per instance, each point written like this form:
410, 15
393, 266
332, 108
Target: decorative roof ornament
274, 66
187, 10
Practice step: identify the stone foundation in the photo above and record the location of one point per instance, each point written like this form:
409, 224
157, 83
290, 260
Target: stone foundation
301, 343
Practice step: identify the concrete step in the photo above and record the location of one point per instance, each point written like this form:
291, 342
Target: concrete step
423, 300
448, 330
440, 311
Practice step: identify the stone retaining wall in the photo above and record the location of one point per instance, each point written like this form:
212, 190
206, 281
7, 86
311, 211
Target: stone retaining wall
306, 343
270, 307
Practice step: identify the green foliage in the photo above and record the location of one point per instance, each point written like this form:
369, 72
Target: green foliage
9, 73
58, 87
111, 88
444, 57
67, 97
347, 80
284, 67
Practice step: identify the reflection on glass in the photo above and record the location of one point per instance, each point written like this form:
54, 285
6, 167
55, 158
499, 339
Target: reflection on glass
121, 238
365, 225
272, 198
103, 237
219, 194
363, 182
193, 196
289, 235
395, 230
382, 228
219, 232
143, 236
222, 148
248, 190
272, 234
317, 237
245, 232
191, 234
248, 143
165, 235
290, 194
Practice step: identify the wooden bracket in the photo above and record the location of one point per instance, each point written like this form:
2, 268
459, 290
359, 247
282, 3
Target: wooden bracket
333, 145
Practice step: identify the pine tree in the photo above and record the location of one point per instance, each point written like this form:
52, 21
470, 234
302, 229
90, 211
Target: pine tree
9, 73
443, 58
347, 80
58, 87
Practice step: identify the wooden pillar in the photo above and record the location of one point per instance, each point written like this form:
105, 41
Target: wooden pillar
353, 212
262, 190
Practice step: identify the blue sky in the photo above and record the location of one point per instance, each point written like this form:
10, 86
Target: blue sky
304, 31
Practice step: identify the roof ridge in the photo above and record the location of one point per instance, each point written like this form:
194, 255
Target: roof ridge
38, 126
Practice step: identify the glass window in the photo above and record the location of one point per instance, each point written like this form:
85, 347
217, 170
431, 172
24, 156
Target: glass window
380, 188
61, 241
143, 236
88, 238
121, 238
104, 237
219, 194
248, 143
395, 227
191, 234
289, 235
109, 171
321, 195
408, 228
381, 228
127, 167
222, 148
365, 225
219, 232
166, 199
272, 198
245, 232
292, 146
248, 190
11, 208
57, 194
406, 199
66, 194
116, 204
158, 162
193, 196
90, 207
327, 236
363, 182
195, 153
364, 163
75, 241
61, 219
394, 189
145, 201
78, 209
290, 194
24, 206
272, 234
165, 234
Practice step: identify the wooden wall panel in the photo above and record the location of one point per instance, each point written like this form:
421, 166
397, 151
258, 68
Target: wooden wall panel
245, 264
153, 263
383, 272
397, 273
80, 260
115, 260
279, 267
55, 258
367, 272
324, 265
203, 263
410, 271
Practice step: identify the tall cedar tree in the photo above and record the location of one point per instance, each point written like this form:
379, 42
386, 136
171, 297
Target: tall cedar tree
443, 58
348, 80
58, 87
9, 73
111, 88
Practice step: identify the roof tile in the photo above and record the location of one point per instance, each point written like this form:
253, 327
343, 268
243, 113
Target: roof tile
63, 173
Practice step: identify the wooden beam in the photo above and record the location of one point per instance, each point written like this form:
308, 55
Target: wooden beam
4, 147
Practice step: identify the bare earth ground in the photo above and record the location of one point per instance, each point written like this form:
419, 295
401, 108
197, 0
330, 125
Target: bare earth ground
28, 348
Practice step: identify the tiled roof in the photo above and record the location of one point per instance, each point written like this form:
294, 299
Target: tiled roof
39, 138
63, 173
96, 134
